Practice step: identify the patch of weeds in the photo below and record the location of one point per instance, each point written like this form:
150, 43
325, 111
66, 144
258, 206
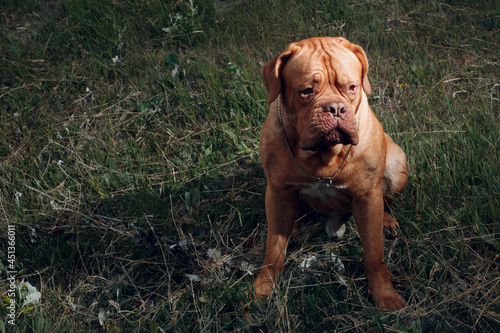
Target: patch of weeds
129, 164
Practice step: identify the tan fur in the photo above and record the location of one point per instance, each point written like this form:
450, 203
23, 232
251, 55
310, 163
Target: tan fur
332, 66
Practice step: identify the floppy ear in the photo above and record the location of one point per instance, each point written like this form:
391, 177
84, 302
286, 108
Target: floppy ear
271, 73
360, 54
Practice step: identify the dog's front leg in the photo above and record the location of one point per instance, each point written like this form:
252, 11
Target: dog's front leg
368, 213
281, 211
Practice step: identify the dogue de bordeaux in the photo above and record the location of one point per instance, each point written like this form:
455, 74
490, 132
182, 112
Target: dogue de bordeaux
321, 144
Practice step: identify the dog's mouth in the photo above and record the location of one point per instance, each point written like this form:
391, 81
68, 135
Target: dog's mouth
330, 133
340, 135
332, 138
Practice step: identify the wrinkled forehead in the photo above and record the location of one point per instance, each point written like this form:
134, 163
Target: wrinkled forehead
323, 59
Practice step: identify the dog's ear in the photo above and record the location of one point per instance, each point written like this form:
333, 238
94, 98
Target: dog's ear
360, 54
271, 73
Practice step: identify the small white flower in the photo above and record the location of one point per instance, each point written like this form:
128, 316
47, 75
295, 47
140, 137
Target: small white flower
214, 254
175, 71
60, 162
183, 244
115, 59
307, 262
28, 295
17, 196
101, 316
337, 262
247, 267
193, 277
16, 114
32, 234
53, 204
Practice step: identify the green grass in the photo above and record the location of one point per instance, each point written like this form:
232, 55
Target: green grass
118, 162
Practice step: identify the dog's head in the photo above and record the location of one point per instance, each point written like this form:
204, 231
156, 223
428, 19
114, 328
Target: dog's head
321, 81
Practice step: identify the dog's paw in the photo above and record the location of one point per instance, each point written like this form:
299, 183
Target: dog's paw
388, 300
335, 227
391, 226
263, 287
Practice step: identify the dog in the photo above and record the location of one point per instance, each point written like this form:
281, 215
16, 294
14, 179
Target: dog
321, 144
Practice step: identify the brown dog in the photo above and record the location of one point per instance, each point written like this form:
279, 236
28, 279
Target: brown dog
323, 145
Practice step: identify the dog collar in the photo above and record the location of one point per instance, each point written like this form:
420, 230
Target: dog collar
327, 180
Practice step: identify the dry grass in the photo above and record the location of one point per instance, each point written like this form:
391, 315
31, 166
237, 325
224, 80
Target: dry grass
136, 189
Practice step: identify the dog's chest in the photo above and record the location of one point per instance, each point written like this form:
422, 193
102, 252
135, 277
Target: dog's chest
325, 197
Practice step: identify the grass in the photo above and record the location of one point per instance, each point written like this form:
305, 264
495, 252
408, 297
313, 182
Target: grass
129, 165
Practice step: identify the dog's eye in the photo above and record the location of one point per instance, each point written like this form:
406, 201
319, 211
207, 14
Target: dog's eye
352, 88
307, 92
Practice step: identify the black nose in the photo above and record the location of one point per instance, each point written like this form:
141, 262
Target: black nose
338, 109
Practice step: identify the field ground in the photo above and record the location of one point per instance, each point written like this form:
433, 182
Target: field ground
129, 166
